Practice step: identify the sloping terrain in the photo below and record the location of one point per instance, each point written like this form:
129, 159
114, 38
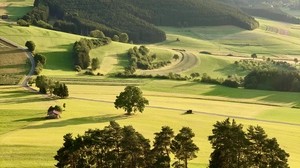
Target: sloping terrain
137, 18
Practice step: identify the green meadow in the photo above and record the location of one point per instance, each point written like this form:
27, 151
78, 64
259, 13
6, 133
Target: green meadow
28, 140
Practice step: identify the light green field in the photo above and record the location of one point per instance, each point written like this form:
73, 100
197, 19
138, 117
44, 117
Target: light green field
15, 8
30, 141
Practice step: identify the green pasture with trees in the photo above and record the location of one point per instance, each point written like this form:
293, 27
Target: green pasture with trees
30, 140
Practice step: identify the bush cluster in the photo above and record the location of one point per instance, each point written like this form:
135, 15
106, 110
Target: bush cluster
140, 58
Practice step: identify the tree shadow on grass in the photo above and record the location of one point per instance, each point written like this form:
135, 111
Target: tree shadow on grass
32, 119
76, 121
260, 95
25, 100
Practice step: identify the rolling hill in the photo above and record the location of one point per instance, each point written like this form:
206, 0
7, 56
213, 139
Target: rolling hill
137, 18
270, 9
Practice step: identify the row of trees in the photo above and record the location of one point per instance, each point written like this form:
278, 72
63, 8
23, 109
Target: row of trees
279, 80
81, 50
39, 59
116, 146
48, 85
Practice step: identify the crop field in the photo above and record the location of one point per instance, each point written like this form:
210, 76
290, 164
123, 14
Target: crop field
13, 64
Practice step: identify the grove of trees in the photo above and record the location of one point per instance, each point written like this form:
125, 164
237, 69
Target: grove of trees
124, 147
81, 50
131, 100
30, 45
235, 148
48, 85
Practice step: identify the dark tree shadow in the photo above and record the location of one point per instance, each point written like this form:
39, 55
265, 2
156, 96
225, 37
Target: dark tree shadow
76, 121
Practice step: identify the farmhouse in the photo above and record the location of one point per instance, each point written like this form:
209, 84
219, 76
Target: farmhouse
53, 114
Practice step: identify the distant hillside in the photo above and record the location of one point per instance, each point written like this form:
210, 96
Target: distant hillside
135, 17
269, 9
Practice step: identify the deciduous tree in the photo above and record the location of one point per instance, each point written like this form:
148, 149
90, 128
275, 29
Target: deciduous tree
131, 100
30, 45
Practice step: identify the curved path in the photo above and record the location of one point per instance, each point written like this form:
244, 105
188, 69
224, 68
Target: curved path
187, 61
199, 112
24, 81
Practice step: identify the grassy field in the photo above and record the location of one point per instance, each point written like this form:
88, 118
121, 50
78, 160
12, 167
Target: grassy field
166, 108
15, 8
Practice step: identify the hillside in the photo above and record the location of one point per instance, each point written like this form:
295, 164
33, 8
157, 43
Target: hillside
266, 9
137, 18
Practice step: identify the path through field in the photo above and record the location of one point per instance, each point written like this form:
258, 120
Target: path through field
188, 61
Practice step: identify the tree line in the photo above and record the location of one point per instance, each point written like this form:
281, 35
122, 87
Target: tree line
136, 18
124, 147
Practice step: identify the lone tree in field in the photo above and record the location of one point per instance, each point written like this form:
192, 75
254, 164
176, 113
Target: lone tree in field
176, 56
253, 56
296, 60
123, 37
30, 45
131, 100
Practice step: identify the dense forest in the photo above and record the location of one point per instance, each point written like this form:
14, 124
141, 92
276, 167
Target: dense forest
134, 17
269, 9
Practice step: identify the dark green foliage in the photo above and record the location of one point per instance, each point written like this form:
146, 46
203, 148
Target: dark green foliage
38, 68
95, 64
123, 37
137, 18
43, 24
40, 61
46, 84
267, 64
81, 50
233, 148
42, 83
117, 147
273, 80
115, 38
131, 100
30, 45
162, 147
183, 147
230, 83
77, 68
112, 146
176, 56
22, 22
253, 56
39, 58
97, 34
61, 90
271, 13
140, 58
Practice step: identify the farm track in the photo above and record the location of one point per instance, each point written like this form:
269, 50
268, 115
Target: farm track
198, 112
